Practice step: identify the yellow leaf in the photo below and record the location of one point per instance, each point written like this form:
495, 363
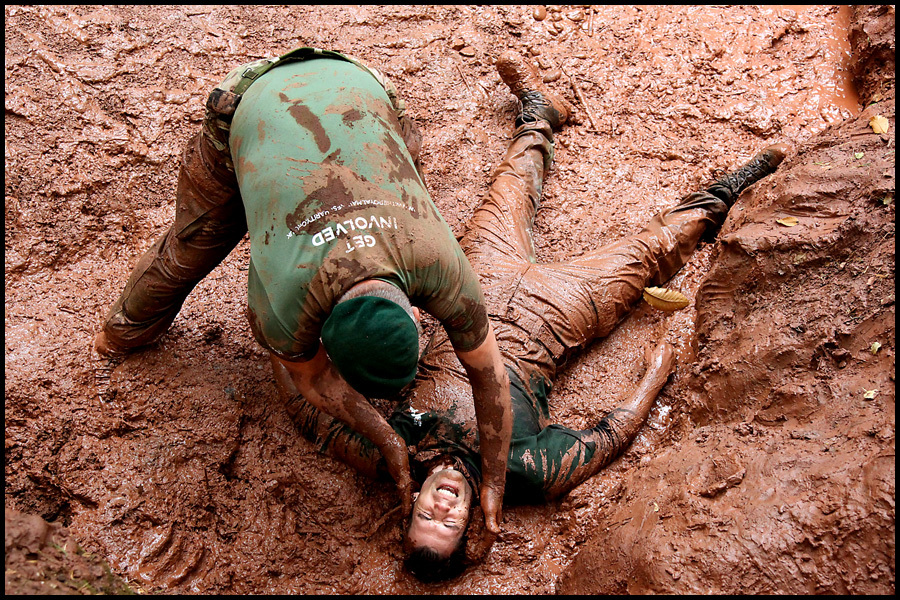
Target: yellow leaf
876, 346
788, 221
665, 299
870, 394
879, 124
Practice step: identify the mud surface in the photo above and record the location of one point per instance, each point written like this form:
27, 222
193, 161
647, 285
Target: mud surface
767, 464
44, 559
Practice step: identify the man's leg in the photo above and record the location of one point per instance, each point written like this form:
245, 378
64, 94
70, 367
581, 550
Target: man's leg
498, 236
209, 222
498, 240
585, 298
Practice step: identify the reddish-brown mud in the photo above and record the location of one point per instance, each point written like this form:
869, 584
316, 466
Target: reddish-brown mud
44, 559
767, 464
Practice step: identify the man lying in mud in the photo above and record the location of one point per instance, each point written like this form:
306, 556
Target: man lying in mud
542, 314
313, 155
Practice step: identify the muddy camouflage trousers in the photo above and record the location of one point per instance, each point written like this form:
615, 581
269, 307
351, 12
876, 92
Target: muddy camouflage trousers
209, 213
543, 313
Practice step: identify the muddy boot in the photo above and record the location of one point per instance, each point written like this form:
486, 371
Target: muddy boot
730, 187
106, 359
538, 103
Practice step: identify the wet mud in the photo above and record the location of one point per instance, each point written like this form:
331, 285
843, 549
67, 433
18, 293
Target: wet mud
767, 464
44, 559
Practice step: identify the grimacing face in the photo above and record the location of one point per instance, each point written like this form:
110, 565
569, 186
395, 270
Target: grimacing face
440, 511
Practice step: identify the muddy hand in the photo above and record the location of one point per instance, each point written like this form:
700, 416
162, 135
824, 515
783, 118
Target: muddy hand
397, 461
492, 505
663, 357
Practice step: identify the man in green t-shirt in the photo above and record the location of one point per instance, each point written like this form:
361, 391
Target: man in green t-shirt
312, 155
543, 313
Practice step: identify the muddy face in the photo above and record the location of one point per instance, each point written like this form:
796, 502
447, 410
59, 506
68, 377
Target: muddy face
440, 512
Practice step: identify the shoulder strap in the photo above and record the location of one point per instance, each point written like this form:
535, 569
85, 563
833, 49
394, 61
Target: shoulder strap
256, 70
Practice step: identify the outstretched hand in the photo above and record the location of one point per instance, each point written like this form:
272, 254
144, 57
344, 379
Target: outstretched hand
661, 358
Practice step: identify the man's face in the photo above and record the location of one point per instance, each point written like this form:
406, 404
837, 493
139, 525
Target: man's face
441, 511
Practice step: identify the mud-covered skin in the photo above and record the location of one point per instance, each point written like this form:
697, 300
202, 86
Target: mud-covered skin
493, 413
320, 383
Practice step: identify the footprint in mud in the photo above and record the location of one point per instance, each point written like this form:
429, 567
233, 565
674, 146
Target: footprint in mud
168, 558
103, 369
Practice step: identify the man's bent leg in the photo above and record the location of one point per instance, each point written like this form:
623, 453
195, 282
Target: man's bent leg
586, 298
209, 222
498, 238
570, 304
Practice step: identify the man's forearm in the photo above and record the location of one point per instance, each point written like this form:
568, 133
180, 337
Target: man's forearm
327, 433
592, 449
324, 388
493, 410
334, 437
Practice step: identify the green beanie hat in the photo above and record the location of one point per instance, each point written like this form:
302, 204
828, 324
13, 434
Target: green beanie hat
374, 345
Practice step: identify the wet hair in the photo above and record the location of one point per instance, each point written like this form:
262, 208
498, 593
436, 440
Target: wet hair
429, 567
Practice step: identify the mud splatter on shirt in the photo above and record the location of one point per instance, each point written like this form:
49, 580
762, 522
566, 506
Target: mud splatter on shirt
332, 197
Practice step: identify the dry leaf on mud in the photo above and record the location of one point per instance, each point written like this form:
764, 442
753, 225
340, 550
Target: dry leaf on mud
875, 348
879, 124
870, 394
665, 299
788, 221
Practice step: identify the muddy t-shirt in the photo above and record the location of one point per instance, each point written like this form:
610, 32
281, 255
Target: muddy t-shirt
332, 197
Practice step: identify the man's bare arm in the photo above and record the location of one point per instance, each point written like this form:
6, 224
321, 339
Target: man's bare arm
618, 428
493, 410
321, 385
327, 433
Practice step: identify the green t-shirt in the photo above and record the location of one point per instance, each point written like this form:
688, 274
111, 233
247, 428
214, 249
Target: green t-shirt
332, 197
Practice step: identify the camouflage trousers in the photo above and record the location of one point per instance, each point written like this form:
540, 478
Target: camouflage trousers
543, 312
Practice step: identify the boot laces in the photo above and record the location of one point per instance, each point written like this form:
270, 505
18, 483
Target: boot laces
536, 106
748, 174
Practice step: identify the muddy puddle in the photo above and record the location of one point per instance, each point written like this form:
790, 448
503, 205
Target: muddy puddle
194, 480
